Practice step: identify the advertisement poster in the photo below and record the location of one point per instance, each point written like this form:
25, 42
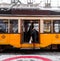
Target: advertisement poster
29, 30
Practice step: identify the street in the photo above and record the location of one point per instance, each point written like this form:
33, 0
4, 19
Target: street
43, 56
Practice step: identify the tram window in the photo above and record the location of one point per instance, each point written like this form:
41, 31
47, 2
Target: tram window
3, 26
13, 26
27, 31
47, 26
56, 26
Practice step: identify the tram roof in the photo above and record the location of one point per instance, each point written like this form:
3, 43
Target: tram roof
28, 12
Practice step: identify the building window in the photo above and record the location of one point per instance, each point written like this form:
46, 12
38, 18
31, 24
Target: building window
13, 26
47, 26
3, 26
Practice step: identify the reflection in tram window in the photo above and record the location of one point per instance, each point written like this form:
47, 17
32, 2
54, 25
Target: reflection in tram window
13, 26
30, 33
3, 26
47, 26
57, 26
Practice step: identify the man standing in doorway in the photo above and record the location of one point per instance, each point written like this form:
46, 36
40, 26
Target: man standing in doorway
33, 34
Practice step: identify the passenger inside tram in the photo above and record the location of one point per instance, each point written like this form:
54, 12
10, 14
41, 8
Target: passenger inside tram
30, 32
56, 26
13, 26
33, 34
10, 26
3, 26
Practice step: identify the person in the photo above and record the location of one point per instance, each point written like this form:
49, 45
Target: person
25, 33
33, 34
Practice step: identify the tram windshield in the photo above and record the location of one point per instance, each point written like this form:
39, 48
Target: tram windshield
3, 26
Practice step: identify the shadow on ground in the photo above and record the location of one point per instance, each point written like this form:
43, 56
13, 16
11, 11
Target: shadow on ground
26, 51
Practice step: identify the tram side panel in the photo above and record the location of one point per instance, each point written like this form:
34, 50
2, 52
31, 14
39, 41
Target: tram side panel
10, 39
9, 32
4, 39
45, 35
51, 33
46, 38
15, 40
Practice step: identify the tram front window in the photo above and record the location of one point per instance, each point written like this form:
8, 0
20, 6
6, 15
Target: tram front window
13, 26
3, 26
30, 31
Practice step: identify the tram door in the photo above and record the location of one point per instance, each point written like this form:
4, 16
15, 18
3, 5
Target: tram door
30, 31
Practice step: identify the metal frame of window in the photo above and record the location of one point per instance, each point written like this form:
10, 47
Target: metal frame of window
8, 24
47, 22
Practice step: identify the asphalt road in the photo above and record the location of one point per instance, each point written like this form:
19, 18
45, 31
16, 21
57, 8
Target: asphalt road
52, 56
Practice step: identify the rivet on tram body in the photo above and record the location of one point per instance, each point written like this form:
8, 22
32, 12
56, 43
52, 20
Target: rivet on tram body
57, 36
3, 36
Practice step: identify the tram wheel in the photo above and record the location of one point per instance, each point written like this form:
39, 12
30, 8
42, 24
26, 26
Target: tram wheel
58, 46
1, 49
47, 48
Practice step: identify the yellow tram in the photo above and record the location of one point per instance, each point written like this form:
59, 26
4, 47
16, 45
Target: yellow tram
14, 25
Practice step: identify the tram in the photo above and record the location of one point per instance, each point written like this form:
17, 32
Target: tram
15, 24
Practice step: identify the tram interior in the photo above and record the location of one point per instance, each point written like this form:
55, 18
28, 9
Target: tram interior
51, 26
8, 26
30, 31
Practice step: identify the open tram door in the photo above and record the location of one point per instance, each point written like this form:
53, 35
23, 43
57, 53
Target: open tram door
30, 34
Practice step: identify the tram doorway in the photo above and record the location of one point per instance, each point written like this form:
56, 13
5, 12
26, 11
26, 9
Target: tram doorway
30, 31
